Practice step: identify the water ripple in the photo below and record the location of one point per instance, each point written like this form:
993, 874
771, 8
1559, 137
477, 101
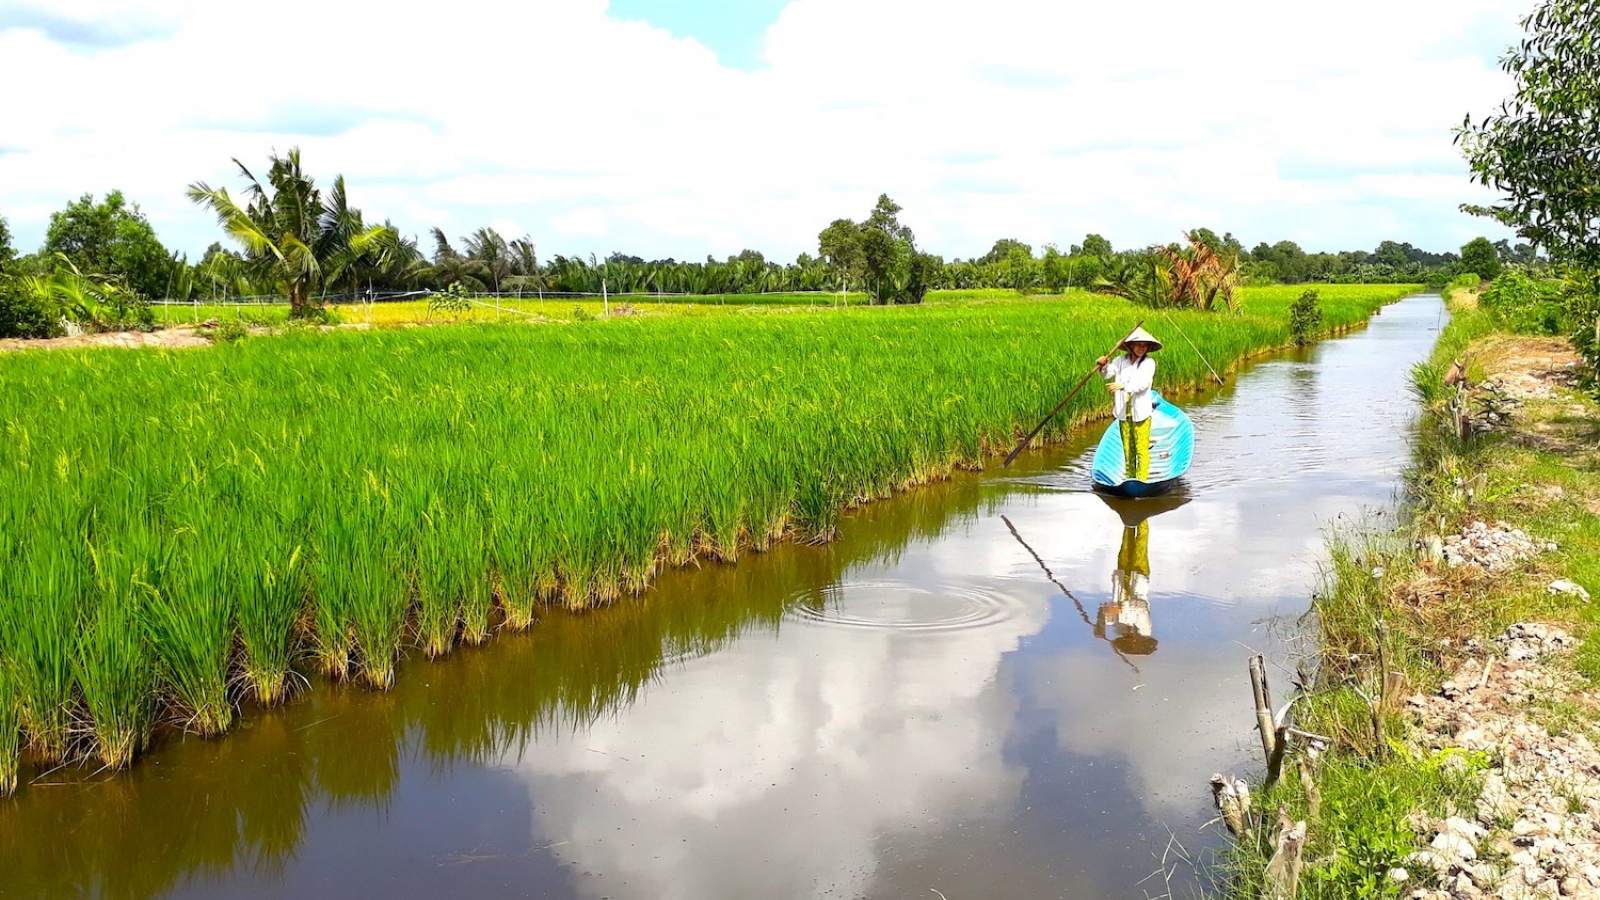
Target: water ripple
898, 606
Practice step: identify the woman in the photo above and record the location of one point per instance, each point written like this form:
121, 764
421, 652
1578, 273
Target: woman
1131, 378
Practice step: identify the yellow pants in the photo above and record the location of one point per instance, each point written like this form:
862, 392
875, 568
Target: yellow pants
1134, 555
1136, 448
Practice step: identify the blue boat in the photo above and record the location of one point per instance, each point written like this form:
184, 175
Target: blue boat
1171, 451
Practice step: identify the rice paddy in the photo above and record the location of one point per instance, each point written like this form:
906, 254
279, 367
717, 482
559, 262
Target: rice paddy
182, 532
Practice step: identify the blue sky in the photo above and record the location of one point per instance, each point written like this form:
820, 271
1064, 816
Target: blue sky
735, 30
685, 129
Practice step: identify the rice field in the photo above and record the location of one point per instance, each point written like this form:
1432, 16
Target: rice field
531, 307
184, 532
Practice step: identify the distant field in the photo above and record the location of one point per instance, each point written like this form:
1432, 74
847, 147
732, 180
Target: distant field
416, 312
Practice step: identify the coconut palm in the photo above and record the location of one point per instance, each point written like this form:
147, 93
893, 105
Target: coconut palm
454, 267
1199, 275
292, 237
488, 247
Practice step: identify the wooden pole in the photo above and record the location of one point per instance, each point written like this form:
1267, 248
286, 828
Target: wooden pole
1263, 696
1083, 381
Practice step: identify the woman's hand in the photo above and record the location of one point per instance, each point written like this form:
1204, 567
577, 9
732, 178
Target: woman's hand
1101, 362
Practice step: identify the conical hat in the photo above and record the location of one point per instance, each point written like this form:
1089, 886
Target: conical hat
1139, 334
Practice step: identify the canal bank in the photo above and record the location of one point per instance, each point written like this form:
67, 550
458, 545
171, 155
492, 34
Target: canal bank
1457, 658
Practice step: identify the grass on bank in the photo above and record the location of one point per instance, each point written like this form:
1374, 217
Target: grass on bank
186, 530
1384, 607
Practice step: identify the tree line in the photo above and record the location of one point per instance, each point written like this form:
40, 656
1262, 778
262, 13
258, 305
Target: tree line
101, 261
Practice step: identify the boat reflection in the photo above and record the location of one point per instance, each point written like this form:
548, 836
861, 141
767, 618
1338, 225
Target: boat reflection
1124, 620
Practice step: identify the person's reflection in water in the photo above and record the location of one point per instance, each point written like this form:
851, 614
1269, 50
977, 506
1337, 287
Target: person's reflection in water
1125, 621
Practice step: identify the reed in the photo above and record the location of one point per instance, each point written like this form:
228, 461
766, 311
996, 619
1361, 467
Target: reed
334, 496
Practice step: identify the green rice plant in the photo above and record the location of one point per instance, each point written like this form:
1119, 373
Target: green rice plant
274, 584
113, 662
39, 600
523, 564
10, 725
190, 618
333, 599
378, 594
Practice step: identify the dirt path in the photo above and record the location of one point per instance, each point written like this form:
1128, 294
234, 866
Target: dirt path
170, 338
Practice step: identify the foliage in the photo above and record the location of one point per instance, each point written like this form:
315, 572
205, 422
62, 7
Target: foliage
1200, 275
91, 301
1522, 304
230, 331
1196, 276
293, 238
111, 238
1481, 258
7, 252
880, 253
22, 314
453, 299
1305, 318
1541, 149
1580, 293
1465, 282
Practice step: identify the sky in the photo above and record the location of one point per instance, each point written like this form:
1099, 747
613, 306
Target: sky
672, 128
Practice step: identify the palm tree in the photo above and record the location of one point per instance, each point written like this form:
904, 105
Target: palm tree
1200, 275
488, 247
453, 267
291, 237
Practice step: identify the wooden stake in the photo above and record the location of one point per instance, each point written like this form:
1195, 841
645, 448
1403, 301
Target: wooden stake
1264, 724
1283, 871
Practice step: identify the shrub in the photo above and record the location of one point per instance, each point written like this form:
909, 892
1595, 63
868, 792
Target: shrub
21, 316
230, 331
453, 299
1305, 318
1468, 281
1522, 304
1581, 302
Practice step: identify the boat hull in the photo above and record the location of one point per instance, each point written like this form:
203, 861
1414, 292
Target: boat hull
1171, 452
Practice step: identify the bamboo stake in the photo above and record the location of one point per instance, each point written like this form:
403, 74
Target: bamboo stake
1263, 696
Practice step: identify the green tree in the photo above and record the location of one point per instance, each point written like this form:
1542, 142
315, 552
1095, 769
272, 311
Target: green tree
1541, 149
1095, 245
292, 237
1054, 270
110, 238
7, 252
1004, 248
1479, 255
840, 245
1287, 259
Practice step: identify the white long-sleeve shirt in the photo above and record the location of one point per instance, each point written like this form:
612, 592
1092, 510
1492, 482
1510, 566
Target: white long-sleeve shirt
1136, 380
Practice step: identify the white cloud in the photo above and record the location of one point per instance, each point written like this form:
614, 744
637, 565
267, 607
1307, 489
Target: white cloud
1030, 118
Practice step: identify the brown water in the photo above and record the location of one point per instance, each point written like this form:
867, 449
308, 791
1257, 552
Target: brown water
916, 707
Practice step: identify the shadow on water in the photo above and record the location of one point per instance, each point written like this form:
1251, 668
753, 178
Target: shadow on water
1002, 685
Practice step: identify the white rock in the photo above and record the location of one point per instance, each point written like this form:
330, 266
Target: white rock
1456, 825
1453, 846
1563, 586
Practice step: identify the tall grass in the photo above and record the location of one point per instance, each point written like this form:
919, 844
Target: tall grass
193, 519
